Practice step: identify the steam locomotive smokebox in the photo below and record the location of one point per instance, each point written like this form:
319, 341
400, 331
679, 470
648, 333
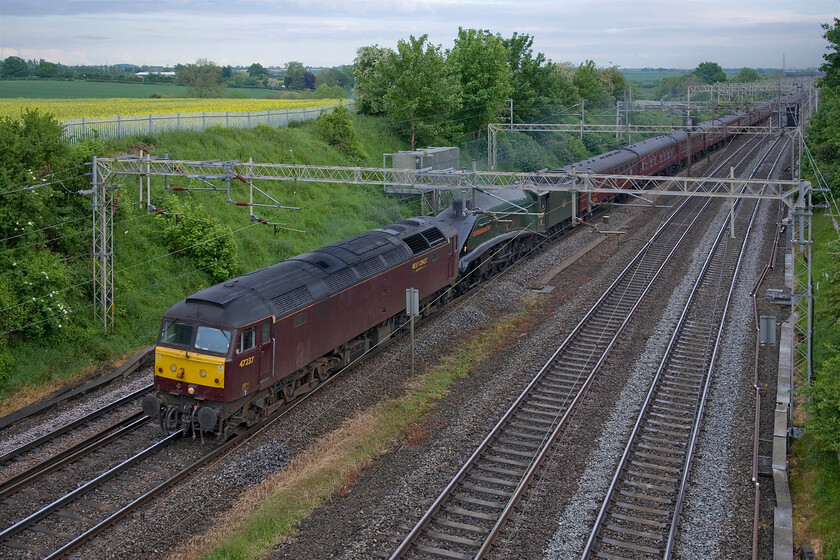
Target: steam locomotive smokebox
431, 158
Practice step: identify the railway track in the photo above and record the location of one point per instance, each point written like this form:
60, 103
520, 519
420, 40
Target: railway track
467, 517
18, 453
640, 514
75, 518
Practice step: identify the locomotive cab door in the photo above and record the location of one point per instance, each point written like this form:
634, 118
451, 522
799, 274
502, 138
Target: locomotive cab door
266, 352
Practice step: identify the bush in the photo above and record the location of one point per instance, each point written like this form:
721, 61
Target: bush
37, 287
337, 129
193, 233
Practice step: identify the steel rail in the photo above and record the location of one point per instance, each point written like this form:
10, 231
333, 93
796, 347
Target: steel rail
55, 462
75, 424
24, 524
653, 391
549, 438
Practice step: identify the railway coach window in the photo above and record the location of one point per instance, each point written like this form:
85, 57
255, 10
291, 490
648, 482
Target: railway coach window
212, 339
247, 340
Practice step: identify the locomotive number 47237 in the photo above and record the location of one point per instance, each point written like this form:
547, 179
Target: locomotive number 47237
246, 361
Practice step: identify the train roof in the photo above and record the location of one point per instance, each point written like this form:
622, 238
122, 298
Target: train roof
291, 285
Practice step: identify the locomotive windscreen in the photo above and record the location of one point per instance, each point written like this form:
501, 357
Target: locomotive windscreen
209, 339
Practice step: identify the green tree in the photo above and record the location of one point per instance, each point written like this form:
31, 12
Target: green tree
330, 77
831, 67
480, 62
294, 75
422, 92
308, 80
369, 85
46, 69
329, 92
14, 67
676, 86
203, 79
589, 84
538, 89
256, 70
746, 76
710, 73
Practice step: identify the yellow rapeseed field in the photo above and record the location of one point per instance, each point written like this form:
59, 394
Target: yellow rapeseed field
78, 108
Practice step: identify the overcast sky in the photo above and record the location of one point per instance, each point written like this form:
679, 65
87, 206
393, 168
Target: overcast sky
627, 33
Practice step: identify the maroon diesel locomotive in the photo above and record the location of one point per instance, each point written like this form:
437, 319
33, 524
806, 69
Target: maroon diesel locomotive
233, 353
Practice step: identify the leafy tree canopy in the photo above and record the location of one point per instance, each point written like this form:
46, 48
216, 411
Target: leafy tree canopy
256, 70
309, 80
337, 129
710, 73
831, 67
14, 67
422, 92
538, 88
746, 75
369, 85
203, 79
294, 75
47, 70
480, 61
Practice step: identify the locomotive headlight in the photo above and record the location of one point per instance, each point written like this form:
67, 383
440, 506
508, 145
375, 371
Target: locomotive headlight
191, 390
172, 368
202, 373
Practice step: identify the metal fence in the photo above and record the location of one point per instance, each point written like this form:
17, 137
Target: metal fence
133, 125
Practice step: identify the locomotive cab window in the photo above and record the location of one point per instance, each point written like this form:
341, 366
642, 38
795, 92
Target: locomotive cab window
212, 339
265, 332
247, 340
176, 332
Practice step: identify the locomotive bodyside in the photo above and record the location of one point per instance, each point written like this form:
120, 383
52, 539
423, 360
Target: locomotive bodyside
280, 331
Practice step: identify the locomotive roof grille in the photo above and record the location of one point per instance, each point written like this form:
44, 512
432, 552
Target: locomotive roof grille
434, 236
341, 279
290, 301
394, 256
417, 243
369, 267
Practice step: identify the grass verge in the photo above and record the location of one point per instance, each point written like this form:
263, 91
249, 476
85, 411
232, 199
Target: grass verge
815, 472
815, 488
268, 514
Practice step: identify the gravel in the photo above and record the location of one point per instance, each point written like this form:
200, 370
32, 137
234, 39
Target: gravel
578, 518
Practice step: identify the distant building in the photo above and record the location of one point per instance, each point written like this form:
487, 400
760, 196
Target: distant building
144, 74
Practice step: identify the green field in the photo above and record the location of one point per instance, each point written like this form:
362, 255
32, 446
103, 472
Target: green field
74, 89
648, 76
